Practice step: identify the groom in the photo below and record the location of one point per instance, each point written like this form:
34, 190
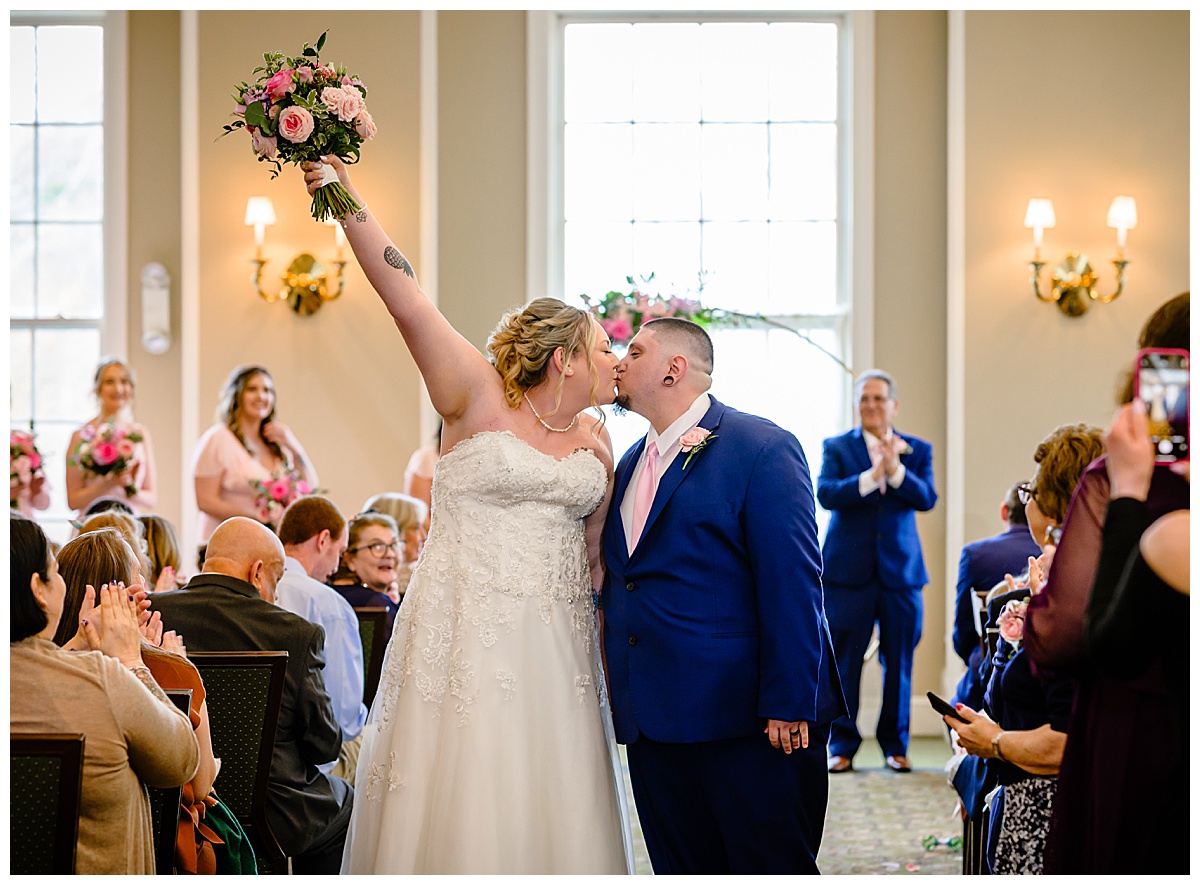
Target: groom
719, 658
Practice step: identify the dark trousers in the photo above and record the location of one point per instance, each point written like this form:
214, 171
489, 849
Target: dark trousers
731, 806
324, 856
853, 613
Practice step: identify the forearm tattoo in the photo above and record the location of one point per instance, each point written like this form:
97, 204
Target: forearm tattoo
147, 680
361, 216
393, 257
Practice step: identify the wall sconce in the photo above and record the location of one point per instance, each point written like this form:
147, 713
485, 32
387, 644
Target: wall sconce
305, 283
1073, 282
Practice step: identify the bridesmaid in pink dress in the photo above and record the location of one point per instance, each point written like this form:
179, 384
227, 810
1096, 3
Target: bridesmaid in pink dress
244, 444
114, 390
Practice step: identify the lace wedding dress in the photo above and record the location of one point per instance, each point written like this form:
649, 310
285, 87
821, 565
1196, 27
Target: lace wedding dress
489, 747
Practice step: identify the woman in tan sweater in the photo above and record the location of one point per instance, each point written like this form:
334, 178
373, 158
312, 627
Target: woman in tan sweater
134, 735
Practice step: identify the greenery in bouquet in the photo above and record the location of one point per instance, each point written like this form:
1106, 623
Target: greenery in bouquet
106, 449
273, 495
300, 109
621, 314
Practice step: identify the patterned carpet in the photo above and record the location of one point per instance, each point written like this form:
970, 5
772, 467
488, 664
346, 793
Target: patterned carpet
878, 821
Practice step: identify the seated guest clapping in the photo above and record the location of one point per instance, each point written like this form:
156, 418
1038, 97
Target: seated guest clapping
134, 733
314, 534
366, 574
229, 607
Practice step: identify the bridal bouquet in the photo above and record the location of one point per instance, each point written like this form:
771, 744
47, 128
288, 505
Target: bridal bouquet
106, 449
24, 460
621, 314
301, 110
273, 495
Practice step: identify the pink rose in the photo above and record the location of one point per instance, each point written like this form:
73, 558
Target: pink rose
693, 438
280, 85
1012, 621
346, 104
35, 460
126, 448
303, 488
296, 124
20, 466
104, 453
619, 330
264, 145
304, 74
364, 125
279, 490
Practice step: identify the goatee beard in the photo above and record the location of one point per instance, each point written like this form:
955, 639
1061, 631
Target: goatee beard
621, 405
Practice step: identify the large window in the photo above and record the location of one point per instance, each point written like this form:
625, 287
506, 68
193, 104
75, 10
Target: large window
715, 150
57, 283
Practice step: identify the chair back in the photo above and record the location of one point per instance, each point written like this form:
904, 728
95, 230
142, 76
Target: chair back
164, 802
372, 627
243, 691
45, 779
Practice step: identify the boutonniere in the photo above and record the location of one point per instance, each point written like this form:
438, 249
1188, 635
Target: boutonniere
900, 445
693, 442
1012, 622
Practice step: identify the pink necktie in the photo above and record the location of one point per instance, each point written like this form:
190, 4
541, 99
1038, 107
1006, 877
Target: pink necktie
644, 498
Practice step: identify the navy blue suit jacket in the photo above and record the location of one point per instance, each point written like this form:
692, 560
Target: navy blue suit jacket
875, 536
981, 567
716, 622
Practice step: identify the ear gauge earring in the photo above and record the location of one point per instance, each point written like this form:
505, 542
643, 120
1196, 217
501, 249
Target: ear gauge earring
668, 381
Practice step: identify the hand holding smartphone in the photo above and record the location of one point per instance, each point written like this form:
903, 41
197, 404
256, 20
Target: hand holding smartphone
1161, 381
943, 707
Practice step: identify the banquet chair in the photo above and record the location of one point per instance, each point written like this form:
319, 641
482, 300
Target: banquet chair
45, 779
243, 691
164, 802
371, 622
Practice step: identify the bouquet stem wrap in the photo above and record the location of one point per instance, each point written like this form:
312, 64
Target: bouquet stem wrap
331, 199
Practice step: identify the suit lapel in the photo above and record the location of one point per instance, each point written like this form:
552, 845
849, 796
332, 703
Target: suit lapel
858, 447
675, 475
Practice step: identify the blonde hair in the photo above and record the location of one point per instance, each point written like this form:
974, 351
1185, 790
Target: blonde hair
130, 528
409, 512
107, 363
524, 341
162, 546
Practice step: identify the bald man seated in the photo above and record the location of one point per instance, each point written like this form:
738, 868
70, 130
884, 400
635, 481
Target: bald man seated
230, 606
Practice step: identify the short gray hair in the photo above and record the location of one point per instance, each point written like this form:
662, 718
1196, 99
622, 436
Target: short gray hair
866, 376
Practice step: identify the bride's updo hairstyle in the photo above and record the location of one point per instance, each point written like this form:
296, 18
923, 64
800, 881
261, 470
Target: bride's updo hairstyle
523, 343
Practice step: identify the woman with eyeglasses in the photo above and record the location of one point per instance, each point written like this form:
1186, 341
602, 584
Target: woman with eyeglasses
412, 519
1022, 731
367, 574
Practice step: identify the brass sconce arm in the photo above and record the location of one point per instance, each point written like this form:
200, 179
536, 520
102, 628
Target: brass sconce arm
1118, 265
305, 284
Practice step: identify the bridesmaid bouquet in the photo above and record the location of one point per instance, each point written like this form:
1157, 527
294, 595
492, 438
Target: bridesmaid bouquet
300, 110
24, 461
273, 495
106, 449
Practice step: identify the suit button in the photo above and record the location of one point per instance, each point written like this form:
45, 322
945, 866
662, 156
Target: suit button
629, 586
633, 640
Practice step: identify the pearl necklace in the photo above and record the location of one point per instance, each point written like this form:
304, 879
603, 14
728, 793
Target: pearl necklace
543, 423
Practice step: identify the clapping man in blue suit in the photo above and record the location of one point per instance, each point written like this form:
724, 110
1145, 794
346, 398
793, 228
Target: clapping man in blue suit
719, 656
874, 481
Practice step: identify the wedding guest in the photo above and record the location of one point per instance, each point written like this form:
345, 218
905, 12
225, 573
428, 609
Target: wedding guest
129, 526
1025, 729
113, 387
1099, 823
354, 588
135, 735
368, 572
412, 519
418, 475
230, 607
467, 716
982, 565
162, 552
244, 445
874, 481
313, 533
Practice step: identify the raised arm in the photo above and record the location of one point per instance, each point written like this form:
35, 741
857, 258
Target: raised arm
455, 373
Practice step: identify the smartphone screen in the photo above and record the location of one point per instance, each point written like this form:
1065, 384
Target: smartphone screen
1162, 384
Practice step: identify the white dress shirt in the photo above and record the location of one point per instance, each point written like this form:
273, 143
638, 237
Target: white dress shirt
866, 482
344, 672
668, 448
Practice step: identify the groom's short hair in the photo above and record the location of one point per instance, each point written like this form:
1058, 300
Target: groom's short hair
689, 336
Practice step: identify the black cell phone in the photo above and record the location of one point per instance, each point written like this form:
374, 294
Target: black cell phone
1161, 382
943, 707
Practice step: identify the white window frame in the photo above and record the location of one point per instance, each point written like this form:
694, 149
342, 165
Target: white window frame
114, 321
545, 213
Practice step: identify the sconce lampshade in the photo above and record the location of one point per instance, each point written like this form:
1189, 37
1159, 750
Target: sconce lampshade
259, 210
1040, 213
1123, 213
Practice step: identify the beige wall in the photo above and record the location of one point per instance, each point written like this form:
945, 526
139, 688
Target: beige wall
1110, 118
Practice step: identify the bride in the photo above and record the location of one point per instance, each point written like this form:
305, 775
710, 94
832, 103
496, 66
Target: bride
489, 747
